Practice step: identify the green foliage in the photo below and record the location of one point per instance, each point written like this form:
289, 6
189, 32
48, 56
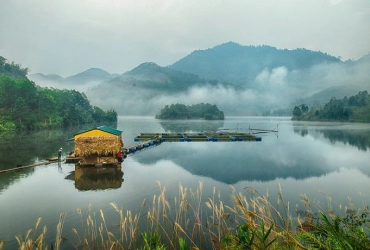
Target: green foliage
197, 111
25, 106
355, 108
247, 237
349, 232
182, 244
152, 241
12, 69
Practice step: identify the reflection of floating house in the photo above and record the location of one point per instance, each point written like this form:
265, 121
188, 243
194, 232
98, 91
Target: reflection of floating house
98, 146
98, 178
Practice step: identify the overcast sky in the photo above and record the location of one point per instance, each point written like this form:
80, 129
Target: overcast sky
66, 37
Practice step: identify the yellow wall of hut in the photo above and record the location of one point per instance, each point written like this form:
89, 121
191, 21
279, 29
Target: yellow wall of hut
94, 132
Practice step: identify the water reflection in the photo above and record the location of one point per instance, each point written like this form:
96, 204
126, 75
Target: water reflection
353, 136
231, 162
191, 125
96, 178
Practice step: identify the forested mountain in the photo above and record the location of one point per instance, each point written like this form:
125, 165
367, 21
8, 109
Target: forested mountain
241, 64
26, 106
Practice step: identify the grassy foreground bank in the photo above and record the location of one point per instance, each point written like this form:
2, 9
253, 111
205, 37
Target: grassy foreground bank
189, 222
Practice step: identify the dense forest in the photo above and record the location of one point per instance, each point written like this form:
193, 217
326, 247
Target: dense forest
196, 111
26, 106
353, 109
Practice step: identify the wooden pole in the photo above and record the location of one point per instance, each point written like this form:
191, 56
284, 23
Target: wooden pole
28, 166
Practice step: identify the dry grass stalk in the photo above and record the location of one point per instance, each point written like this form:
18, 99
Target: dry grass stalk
2, 244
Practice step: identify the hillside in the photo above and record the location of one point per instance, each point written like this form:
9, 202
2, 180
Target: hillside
241, 64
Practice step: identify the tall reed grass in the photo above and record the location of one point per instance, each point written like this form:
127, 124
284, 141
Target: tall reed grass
248, 221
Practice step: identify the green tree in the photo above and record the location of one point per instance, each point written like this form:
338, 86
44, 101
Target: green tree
297, 112
21, 113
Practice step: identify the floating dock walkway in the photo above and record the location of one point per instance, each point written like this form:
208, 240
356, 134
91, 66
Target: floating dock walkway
20, 167
145, 140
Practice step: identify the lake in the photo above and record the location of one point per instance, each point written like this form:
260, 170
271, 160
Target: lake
319, 159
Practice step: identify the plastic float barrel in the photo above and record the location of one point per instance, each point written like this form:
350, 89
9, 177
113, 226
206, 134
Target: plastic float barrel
136, 139
188, 139
233, 138
151, 143
258, 138
182, 139
146, 145
132, 150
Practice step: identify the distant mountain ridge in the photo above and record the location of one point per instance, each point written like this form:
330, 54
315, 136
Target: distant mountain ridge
241, 64
240, 80
80, 82
87, 76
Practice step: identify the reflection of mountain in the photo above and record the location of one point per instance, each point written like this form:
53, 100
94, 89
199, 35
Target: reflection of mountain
359, 138
231, 162
193, 125
96, 178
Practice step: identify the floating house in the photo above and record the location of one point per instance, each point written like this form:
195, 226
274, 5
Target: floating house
98, 146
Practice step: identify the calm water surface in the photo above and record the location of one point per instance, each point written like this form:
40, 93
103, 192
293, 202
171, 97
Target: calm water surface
313, 158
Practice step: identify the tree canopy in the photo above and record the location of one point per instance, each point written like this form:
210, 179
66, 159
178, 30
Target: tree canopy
197, 111
355, 109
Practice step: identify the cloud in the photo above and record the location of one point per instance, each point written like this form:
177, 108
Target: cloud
275, 78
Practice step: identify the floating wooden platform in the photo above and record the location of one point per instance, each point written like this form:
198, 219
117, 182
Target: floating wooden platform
72, 159
189, 137
145, 140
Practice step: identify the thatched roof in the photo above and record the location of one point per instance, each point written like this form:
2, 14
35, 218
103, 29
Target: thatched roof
98, 145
